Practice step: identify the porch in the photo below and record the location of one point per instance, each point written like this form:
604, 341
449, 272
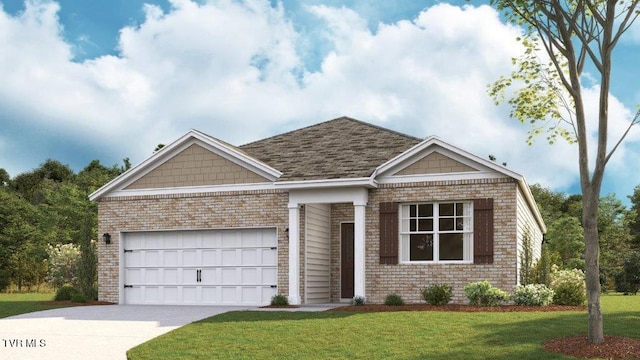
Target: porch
326, 245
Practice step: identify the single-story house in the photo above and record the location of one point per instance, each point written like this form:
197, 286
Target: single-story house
319, 214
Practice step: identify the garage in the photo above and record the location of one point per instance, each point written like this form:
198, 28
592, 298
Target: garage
200, 267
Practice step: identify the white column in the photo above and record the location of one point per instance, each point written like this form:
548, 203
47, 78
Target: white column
294, 254
358, 250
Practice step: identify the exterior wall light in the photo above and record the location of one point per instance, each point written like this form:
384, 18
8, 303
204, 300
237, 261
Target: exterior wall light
107, 238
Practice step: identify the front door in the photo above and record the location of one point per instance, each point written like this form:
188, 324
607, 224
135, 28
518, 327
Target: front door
346, 263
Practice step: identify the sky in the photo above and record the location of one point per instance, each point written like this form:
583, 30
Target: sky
109, 79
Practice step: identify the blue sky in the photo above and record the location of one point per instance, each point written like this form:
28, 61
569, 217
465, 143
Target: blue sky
105, 80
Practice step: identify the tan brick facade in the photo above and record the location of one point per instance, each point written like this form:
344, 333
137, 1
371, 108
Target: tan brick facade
182, 212
269, 209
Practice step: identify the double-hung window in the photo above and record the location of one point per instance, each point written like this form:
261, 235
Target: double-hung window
436, 232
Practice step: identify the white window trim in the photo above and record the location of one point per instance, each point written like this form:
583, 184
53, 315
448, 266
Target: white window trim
436, 232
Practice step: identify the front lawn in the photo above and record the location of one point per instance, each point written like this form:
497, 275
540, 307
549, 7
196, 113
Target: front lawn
15, 304
400, 335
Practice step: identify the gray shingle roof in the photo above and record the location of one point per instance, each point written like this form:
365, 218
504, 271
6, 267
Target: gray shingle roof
335, 149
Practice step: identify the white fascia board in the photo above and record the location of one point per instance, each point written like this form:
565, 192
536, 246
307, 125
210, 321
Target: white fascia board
435, 141
355, 195
191, 190
472, 175
174, 148
366, 182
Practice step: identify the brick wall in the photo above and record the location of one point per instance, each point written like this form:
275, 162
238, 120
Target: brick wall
180, 212
269, 209
407, 280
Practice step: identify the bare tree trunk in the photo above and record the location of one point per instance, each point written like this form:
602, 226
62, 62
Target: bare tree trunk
590, 202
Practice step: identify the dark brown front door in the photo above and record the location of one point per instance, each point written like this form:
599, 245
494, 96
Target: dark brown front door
346, 263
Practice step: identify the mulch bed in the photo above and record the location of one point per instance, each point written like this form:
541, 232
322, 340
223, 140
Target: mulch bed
70, 303
456, 307
613, 347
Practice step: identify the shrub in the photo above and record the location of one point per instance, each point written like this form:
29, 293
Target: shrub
78, 297
484, 294
4, 279
279, 300
568, 287
532, 295
65, 293
628, 279
393, 300
62, 264
437, 294
358, 301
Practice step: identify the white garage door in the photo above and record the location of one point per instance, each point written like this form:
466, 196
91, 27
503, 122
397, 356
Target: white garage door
207, 267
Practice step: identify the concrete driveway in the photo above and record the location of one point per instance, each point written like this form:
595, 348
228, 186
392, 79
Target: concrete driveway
93, 332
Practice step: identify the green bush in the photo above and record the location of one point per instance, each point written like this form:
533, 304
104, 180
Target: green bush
358, 301
568, 286
5, 280
65, 293
393, 300
78, 297
437, 294
628, 279
532, 295
484, 294
279, 300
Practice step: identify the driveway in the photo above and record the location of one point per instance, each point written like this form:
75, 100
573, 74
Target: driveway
93, 332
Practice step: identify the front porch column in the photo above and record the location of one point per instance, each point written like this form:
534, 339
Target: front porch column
294, 254
358, 250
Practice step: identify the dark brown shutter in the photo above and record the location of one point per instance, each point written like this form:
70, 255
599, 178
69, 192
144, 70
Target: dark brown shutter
389, 237
483, 231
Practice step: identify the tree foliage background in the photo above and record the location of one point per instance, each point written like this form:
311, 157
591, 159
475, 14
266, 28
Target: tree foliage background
46, 206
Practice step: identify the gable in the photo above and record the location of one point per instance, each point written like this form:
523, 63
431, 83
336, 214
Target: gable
196, 166
435, 163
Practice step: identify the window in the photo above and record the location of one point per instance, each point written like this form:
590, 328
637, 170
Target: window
436, 232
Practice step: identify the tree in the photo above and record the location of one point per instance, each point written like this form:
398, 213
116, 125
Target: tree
574, 34
634, 217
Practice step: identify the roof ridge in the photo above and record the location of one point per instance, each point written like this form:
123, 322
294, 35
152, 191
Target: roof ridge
328, 121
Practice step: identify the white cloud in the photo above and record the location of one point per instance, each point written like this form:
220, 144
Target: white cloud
232, 69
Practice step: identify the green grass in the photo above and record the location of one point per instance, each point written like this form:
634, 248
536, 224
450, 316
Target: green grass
395, 335
15, 304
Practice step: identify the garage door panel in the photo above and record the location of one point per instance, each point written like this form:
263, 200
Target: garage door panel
210, 295
248, 257
169, 276
229, 257
189, 258
171, 258
249, 276
189, 294
151, 294
189, 276
151, 276
151, 257
212, 240
269, 257
212, 267
229, 276
190, 239
209, 276
171, 295
134, 276
269, 276
209, 257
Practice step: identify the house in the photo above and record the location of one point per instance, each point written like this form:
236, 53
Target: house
320, 214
